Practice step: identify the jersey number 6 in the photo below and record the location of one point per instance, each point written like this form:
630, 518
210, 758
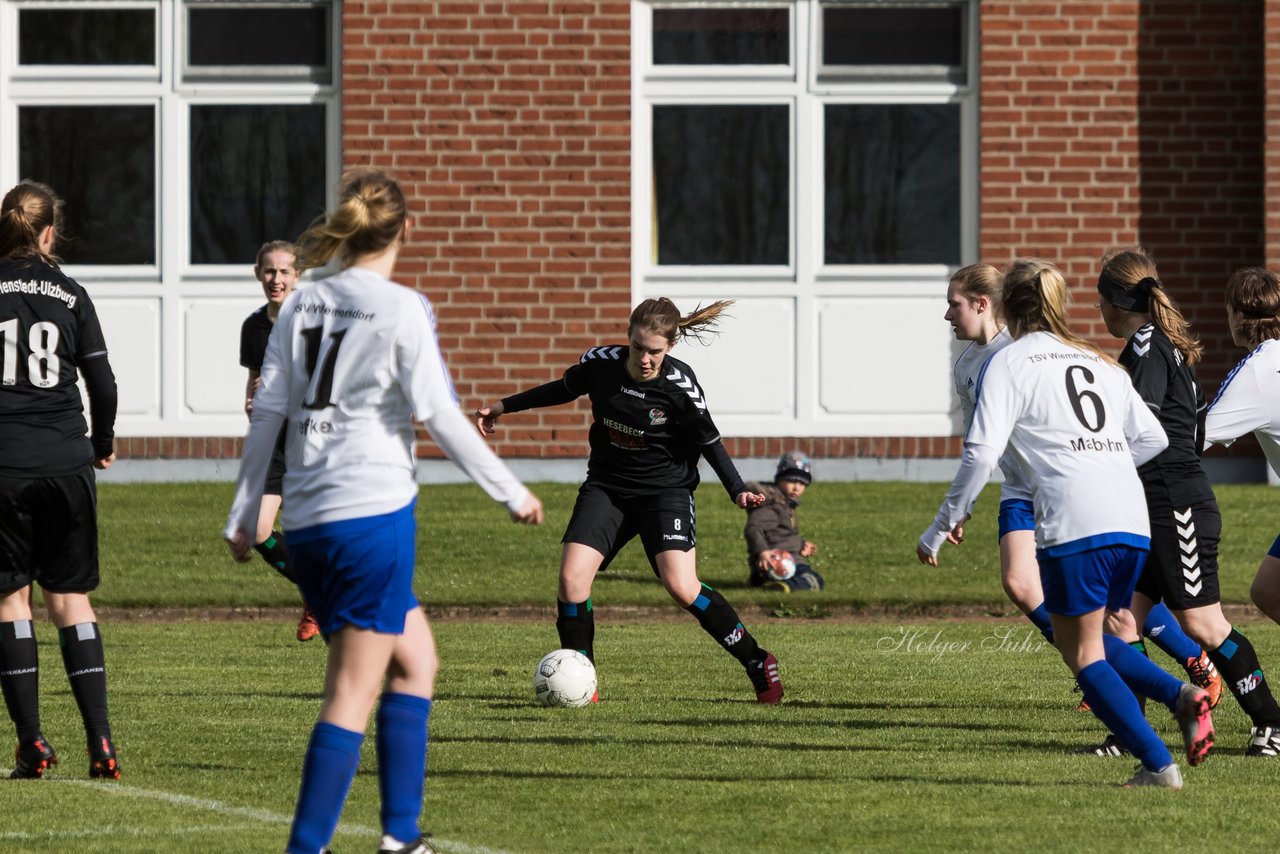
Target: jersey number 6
1078, 397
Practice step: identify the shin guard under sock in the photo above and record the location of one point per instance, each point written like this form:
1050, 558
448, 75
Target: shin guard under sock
1140, 673
576, 625
1165, 632
333, 755
20, 677
86, 667
273, 552
718, 619
401, 738
1114, 704
1238, 663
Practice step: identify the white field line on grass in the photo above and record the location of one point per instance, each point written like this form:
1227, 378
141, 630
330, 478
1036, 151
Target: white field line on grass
258, 815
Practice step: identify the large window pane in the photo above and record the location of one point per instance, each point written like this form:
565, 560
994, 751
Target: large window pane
721, 185
102, 162
257, 174
892, 184
867, 35
721, 37
86, 36
222, 37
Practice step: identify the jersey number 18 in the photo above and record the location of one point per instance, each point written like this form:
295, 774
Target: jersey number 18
43, 365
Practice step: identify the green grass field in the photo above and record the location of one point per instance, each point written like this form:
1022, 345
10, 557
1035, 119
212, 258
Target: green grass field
902, 729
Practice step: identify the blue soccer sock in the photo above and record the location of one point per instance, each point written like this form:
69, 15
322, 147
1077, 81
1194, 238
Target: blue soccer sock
1114, 704
1142, 675
327, 771
1165, 632
1040, 617
401, 740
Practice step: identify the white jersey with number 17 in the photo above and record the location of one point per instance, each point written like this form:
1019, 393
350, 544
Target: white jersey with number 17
351, 363
1077, 426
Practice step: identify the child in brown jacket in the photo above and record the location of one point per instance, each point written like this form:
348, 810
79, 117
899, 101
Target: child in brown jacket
771, 527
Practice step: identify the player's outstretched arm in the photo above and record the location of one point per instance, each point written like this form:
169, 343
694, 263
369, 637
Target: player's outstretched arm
528, 513
487, 418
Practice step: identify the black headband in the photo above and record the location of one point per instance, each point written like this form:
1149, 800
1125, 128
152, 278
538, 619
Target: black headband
1136, 298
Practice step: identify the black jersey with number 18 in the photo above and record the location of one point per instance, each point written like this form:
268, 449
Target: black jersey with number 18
646, 436
48, 328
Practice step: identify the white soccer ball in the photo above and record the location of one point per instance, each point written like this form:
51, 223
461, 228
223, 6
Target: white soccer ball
564, 677
782, 565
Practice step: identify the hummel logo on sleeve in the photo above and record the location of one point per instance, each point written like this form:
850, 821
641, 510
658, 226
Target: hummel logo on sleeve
614, 352
695, 393
1142, 341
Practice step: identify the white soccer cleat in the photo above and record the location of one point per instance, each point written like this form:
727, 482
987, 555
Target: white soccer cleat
1168, 777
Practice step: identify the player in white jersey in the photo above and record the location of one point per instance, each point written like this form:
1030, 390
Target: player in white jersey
973, 310
1248, 401
351, 363
1072, 422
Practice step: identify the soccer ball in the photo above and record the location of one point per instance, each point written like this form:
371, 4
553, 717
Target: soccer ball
782, 566
564, 677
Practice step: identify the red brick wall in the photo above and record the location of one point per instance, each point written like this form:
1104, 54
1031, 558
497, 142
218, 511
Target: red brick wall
1106, 124
509, 125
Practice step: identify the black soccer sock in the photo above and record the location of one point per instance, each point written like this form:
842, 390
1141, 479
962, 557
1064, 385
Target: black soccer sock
718, 619
1238, 663
86, 667
20, 677
1141, 647
273, 552
576, 625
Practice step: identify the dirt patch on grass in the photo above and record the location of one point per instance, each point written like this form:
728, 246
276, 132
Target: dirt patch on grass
793, 609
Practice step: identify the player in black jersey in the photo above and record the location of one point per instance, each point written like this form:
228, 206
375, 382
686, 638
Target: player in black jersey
276, 269
49, 336
1182, 569
650, 427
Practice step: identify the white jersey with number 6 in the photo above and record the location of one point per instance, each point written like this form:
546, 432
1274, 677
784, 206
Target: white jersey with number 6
1077, 427
351, 362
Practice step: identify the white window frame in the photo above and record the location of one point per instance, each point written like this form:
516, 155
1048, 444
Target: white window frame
172, 284
807, 279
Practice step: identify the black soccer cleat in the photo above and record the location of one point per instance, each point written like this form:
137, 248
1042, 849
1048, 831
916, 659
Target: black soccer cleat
32, 759
1109, 748
103, 763
1263, 741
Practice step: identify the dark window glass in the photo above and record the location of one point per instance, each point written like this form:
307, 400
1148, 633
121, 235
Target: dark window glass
244, 35
721, 185
721, 37
861, 35
892, 184
102, 162
257, 174
86, 37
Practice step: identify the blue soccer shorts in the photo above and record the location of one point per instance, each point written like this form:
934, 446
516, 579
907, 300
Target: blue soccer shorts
357, 572
1085, 581
1016, 514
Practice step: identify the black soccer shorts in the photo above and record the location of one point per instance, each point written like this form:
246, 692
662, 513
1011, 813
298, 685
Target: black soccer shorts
49, 532
606, 522
1182, 569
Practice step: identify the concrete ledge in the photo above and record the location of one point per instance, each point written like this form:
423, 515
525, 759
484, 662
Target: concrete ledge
1227, 470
